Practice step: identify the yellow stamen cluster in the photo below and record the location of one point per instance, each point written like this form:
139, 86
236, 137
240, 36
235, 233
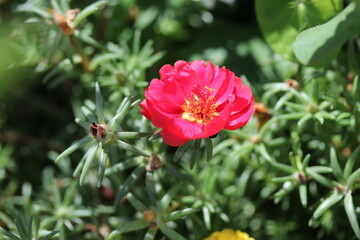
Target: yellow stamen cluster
200, 108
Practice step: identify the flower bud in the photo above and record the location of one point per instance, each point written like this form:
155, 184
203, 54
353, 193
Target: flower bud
149, 215
98, 131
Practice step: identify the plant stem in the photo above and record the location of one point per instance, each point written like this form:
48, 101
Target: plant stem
84, 59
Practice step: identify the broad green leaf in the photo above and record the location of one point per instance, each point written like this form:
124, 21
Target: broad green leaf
99, 104
351, 213
327, 203
282, 20
319, 45
88, 10
179, 214
74, 147
334, 163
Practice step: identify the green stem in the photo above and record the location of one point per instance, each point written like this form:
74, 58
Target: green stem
77, 47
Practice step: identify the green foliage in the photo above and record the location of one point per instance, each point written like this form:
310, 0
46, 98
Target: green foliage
282, 20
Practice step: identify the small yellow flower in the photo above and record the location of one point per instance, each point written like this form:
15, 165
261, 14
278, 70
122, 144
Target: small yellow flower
229, 234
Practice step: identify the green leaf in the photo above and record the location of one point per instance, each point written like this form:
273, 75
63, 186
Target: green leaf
33, 9
88, 114
319, 117
350, 163
69, 194
9, 234
351, 214
82, 123
99, 104
195, 153
170, 233
150, 234
304, 119
355, 176
133, 134
132, 162
334, 163
88, 10
181, 149
283, 179
20, 226
74, 147
303, 195
206, 217
320, 179
117, 119
89, 160
103, 162
281, 20
286, 189
136, 203
131, 148
327, 203
321, 44
175, 172
48, 236
150, 188
129, 227
129, 181
179, 214
209, 148
155, 136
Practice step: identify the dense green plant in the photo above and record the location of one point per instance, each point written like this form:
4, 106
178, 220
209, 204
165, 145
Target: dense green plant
292, 172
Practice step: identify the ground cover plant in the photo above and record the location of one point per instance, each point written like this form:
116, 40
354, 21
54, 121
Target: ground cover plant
179, 119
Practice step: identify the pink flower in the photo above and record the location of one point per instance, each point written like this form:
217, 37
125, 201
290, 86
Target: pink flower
196, 100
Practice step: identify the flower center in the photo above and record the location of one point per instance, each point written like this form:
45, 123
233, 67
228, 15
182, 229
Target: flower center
200, 107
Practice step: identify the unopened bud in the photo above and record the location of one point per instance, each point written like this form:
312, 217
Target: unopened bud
154, 163
98, 131
149, 215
